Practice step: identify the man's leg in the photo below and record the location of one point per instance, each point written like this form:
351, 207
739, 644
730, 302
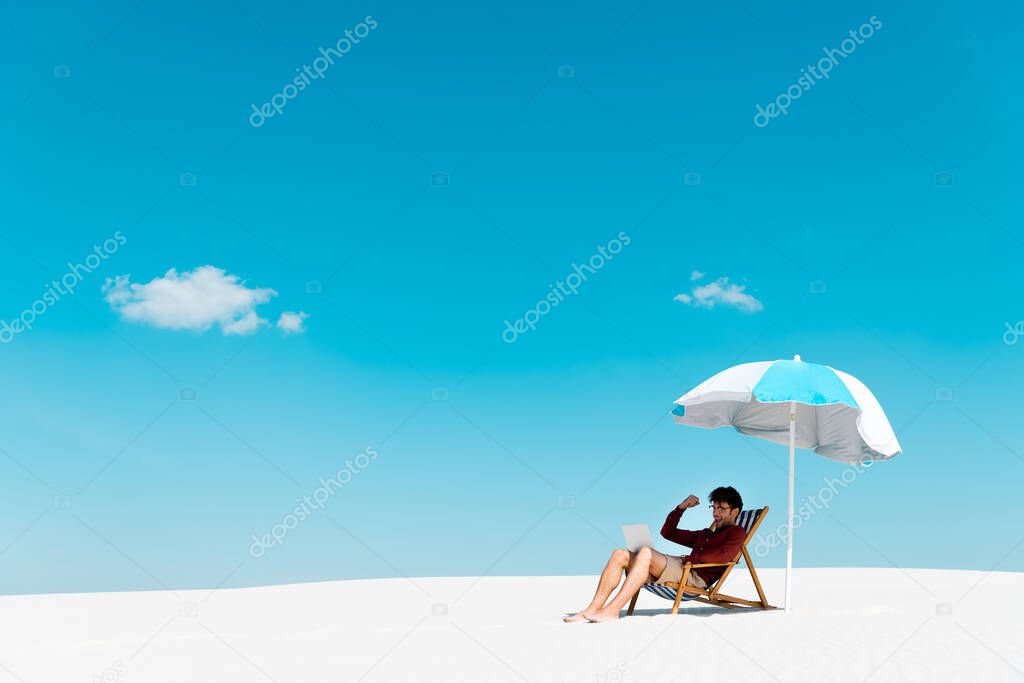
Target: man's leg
619, 561
647, 564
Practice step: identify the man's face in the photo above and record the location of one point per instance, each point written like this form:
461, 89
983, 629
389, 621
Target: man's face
723, 514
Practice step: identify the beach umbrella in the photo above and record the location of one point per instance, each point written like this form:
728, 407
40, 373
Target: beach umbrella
802, 405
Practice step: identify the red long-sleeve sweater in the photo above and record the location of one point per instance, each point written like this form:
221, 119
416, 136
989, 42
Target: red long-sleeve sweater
720, 545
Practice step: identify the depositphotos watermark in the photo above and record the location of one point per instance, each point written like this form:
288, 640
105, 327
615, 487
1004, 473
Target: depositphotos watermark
812, 505
111, 674
811, 75
308, 74
559, 290
74, 275
1013, 332
307, 504
615, 674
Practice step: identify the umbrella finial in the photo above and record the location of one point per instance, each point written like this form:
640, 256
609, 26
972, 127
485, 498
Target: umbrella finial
796, 357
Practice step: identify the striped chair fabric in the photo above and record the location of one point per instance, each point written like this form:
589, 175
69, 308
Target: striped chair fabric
745, 520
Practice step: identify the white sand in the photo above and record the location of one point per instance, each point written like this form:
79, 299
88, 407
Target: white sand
847, 625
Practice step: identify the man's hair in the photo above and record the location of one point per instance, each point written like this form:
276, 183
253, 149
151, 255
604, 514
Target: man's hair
727, 495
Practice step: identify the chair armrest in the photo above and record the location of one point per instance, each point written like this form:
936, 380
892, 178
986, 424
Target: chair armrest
712, 564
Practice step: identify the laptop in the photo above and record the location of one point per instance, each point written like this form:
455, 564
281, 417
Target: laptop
637, 536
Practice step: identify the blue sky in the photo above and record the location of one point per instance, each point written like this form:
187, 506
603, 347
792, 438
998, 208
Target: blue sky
837, 218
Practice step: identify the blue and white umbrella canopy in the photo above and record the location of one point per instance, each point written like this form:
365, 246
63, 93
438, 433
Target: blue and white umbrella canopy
836, 415
802, 405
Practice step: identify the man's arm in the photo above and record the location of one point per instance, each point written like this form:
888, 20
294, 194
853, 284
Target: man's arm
681, 536
721, 548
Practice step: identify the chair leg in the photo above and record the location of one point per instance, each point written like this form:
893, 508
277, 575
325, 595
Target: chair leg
679, 591
679, 596
632, 603
753, 575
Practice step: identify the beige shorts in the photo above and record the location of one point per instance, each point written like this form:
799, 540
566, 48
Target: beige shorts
674, 573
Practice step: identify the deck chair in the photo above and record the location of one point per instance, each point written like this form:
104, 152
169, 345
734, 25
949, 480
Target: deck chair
749, 520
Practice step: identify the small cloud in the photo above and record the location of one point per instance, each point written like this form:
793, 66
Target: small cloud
696, 275
721, 292
247, 324
194, 300
292, 322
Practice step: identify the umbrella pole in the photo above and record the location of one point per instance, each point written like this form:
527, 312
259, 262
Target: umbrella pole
789, 518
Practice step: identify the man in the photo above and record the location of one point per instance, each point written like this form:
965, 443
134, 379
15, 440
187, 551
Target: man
718, 543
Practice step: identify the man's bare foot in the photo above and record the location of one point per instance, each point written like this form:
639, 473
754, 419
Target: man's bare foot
581, 616
603, 615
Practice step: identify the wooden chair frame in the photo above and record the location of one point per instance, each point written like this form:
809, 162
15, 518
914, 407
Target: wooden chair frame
710, 595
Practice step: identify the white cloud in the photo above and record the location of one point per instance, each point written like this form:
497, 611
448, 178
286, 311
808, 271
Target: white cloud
696, 275
292, 322
721, 292
194, 300
247, 324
